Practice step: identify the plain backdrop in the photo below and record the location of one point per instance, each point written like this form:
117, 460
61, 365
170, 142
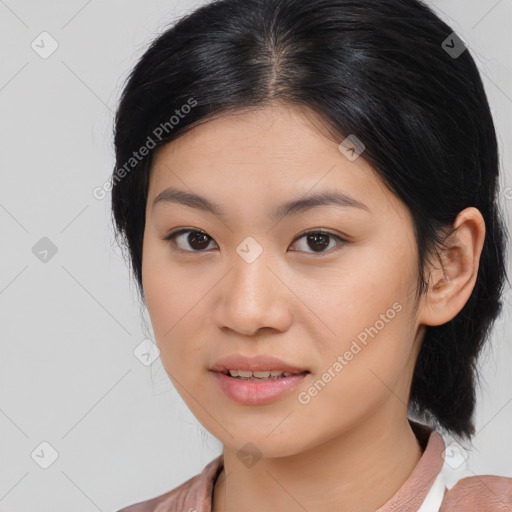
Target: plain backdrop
74, 396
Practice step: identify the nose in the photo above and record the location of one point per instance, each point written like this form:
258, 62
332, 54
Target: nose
254, 297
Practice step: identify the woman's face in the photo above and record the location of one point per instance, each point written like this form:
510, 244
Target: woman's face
254, 284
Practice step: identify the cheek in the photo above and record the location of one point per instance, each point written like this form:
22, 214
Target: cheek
175, 310
369, 286
357, 377
161, 291
164, 287
369, 311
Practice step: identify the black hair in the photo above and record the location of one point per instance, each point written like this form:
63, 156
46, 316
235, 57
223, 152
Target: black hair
390, 72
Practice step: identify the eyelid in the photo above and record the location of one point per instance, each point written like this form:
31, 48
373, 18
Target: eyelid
316, 231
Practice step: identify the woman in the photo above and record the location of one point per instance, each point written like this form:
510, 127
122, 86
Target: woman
308, 194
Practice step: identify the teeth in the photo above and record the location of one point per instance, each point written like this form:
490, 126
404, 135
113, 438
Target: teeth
247, 374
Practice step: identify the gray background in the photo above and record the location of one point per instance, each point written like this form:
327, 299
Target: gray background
70, 325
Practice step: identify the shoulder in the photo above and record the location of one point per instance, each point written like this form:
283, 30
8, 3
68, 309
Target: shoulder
193, 495
175, 497
480, 492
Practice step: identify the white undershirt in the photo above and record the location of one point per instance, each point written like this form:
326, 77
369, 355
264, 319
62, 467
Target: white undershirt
434, 498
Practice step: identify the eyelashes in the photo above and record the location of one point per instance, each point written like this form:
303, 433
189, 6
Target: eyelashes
202, 239
171, 238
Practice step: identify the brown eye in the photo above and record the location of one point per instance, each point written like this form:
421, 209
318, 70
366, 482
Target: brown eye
197, 240
319, 240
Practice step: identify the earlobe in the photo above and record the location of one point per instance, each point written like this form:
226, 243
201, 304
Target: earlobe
453, 278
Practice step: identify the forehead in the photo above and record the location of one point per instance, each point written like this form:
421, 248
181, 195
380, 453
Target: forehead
261, 155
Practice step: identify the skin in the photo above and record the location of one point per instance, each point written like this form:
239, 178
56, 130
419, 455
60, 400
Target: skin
302, 306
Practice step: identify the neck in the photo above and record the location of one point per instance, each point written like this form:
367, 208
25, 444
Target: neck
357, 471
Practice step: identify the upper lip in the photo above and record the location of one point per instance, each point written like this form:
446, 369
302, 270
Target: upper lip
255, 363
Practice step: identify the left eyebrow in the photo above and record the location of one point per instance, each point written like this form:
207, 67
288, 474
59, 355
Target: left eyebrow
293, 207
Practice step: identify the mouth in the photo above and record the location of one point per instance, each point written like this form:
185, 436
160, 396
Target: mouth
256, 379
240, 366
263, 375
254, 390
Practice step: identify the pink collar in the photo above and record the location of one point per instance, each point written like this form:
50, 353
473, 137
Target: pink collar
424, 487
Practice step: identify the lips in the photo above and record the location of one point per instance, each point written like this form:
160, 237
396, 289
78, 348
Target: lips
258, 391
254, 364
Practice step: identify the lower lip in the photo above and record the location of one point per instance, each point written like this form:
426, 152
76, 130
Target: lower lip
253, 392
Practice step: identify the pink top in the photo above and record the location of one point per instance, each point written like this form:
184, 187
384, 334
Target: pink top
484, 493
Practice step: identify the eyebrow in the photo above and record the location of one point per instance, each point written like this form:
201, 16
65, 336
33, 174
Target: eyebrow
293, 207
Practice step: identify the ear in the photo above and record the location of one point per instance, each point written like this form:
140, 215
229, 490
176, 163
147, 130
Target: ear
452, 279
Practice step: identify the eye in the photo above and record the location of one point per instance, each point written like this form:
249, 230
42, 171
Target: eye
197, 239
317, 240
